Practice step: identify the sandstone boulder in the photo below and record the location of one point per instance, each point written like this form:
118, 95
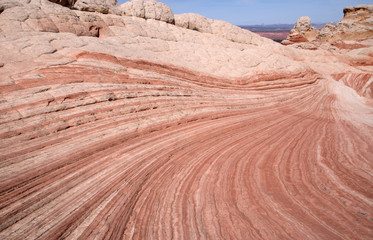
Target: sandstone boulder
194, 22
101, 6
45, 16
148, 9
303, 24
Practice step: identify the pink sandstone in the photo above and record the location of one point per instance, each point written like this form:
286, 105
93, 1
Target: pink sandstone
120, 127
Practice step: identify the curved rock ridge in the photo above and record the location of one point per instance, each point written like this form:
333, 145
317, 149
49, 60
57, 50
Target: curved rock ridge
223, 29
356, 25
152, 40
142, 129
148, 9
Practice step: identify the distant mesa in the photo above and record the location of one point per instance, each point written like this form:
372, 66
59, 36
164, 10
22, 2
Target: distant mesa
276, 32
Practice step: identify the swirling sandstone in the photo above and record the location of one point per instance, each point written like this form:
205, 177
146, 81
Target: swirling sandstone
194, 137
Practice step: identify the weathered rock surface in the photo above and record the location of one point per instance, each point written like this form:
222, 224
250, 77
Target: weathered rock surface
154, 131
327, 31
148, 9
101, 6
45, 16
303, 31
219, 28
65, 3
194, 21
356, 25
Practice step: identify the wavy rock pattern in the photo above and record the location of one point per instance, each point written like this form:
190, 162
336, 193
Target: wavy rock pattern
147, 151
147, 130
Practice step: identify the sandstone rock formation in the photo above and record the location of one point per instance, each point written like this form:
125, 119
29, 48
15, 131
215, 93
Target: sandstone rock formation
148, 130
194, 21
303, 31
44, 16
356, 25
101, 6
327, 31
148, 9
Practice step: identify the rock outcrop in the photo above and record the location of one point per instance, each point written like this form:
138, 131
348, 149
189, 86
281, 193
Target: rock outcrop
303, 31
327, 31
148, 9
194, 21
120, 127
101, 6
356, 25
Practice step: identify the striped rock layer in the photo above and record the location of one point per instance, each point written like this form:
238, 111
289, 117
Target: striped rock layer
161, 132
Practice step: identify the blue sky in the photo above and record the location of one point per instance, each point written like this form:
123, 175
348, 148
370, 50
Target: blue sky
250, 12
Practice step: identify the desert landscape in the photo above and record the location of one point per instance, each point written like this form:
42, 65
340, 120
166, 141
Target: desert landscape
276, 32
132, 122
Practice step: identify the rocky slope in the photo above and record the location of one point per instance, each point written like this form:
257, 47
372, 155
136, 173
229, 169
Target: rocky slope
119, 123
356, 25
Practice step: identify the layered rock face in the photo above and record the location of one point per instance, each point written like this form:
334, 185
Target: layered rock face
356, 25
122, 127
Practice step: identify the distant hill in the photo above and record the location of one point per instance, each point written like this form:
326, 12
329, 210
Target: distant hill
276, 32
269, 28
275, 27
